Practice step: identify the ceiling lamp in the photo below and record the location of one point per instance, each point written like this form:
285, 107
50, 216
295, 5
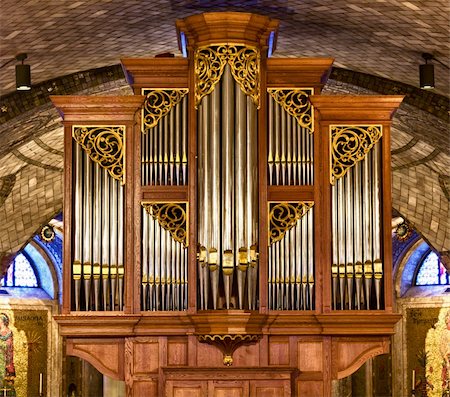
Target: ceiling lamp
426, 72
23, 74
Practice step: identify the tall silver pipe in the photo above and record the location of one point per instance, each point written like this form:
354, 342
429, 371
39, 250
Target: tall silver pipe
358, 233
298, 263
368, 262
349, 240
341, 241
106, 241
96, 247
288, 149
166, 140
311, 279
215, 246
177, 144
283, 148
377, 235
206, 203
184, 140
78, 240
241, 191
270, 149
171, 146
228, 188
305, 242
252, 202
113, 244
335, 228
145, 259
277, 144
87, 222
120, 242
294, 158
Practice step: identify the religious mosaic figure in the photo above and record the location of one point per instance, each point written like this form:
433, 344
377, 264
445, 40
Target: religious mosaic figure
7, 370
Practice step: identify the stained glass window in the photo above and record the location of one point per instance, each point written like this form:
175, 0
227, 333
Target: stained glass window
20, 274
432, 271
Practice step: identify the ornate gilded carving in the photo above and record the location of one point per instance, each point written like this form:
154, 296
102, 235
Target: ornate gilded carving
105, 146
158, 103
284, 216
228, 344
210, 62
296, 103
403, 231
172, 217
47, 233
350, 144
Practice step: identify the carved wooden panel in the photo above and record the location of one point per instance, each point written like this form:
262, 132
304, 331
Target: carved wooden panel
228, 389
310, 388
269, 388
145, 388
146, 356
310, 356
186, 389
247, 355
278, 350
349, 355
177, 351
107, 355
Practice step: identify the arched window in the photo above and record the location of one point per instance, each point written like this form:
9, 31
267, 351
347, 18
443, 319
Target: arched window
20, 274
431, 271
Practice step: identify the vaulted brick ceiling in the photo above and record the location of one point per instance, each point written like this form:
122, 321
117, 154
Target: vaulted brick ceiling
383, 38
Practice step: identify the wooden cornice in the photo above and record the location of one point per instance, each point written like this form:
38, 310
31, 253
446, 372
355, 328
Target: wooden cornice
351, 109
156, 72
298, 72
228, 322
227, 27
97, 108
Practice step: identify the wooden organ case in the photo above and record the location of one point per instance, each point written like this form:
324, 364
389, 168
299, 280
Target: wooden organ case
227, 228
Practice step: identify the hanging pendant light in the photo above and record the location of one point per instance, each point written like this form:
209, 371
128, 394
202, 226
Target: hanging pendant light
23, 74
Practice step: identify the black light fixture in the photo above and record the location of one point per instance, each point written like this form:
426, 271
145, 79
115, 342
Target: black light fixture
426, 72
23, 73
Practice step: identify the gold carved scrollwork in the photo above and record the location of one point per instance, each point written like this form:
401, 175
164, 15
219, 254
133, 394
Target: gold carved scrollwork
105, 146
158, 103
296, 103
210, 62
171, 217
350, 144
284, 216
228, 344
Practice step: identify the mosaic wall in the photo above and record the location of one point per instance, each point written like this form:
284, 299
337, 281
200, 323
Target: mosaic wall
23, 352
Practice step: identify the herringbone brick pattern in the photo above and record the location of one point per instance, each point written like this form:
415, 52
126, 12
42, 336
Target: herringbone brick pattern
384, 38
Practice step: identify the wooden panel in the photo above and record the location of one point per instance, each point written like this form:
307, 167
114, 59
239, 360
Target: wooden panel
145, 388
310, 388
228, 389
290, 193
278, 351
270, 388
177, 351
186, 389
146, 357
310, 356
246, 356
209, 356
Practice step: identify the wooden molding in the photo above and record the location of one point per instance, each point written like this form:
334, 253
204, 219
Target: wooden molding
107, 355
298, 72
97, 109
226, 27
370, 109
156, 72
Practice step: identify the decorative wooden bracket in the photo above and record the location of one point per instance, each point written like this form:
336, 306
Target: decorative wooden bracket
228, 344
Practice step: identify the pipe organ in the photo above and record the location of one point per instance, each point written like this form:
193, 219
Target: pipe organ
227, 203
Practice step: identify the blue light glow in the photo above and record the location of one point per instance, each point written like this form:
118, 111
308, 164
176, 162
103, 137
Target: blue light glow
183, 44
271, 41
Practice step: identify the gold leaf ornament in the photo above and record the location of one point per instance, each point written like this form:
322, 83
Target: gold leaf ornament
284, 216
158, 103
104, 146
350, 144
210, 62
296, 103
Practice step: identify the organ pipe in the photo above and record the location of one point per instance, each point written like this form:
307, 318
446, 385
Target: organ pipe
98, 234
